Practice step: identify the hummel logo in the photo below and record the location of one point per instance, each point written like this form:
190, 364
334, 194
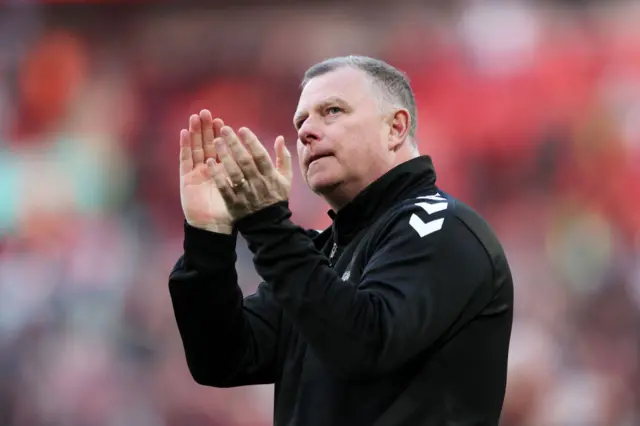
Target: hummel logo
423, 229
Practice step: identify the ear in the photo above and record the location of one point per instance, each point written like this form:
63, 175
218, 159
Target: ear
399, 125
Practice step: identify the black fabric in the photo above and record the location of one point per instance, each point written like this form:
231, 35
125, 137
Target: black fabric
414, 312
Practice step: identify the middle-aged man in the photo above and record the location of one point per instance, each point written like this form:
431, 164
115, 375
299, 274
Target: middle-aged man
399, 313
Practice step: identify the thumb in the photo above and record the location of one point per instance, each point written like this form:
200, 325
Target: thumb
283, 159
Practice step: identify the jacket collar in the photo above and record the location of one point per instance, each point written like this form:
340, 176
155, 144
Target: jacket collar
398, 183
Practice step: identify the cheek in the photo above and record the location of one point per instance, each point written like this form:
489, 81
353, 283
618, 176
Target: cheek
360, 142
366, 150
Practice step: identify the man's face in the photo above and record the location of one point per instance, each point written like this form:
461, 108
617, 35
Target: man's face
342, 134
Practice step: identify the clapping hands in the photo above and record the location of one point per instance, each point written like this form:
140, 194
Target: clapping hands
226, 176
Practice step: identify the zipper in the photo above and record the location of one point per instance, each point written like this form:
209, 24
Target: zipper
334, 249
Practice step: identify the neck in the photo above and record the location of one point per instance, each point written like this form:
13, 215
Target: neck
341, 194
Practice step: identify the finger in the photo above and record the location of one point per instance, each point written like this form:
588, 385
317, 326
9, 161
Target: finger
195, 133
207, 172
259, 153
283, 158
186, 160
218, 124
206, 121
239, 153
219, 176
227, 161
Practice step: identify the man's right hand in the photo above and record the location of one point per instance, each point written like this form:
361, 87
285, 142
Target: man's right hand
202, 203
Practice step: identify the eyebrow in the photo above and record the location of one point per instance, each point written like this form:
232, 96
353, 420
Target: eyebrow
320, 105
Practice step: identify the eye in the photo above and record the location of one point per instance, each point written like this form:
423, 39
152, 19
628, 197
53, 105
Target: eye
334, 110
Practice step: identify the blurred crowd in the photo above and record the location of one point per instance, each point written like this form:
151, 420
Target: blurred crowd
530, 110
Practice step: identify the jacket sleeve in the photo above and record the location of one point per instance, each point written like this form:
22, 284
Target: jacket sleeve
228, 340
412, 289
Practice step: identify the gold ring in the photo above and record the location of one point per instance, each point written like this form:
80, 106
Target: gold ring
236, 185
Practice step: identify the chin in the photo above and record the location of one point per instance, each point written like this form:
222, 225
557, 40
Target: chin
322, 184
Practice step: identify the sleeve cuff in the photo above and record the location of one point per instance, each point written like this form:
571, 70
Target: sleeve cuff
272, 214
208, 251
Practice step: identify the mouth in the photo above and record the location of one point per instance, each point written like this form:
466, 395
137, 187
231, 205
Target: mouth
316, 157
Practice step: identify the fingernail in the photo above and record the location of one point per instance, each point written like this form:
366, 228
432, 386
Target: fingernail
225, 131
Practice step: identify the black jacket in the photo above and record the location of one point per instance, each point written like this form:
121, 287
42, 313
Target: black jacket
406, 299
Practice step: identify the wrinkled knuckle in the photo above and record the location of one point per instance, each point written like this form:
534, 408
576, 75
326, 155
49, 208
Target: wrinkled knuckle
262, 157
245, 161
264, 184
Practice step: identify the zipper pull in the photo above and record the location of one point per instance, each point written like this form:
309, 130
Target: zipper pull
334, 249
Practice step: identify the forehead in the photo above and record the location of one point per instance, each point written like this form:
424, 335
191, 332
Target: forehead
348, 84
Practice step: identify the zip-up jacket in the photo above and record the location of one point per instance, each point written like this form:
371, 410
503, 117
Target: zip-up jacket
399, 313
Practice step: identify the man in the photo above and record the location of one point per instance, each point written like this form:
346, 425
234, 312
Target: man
398, 314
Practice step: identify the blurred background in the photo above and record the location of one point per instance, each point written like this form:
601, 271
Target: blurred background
530, 110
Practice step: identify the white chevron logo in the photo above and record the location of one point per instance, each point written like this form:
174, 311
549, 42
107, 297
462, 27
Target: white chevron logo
423, 229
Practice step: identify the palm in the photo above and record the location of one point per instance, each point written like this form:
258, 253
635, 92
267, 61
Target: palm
202, 203
201, 200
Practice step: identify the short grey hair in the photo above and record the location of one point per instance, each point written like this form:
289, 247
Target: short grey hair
393, 83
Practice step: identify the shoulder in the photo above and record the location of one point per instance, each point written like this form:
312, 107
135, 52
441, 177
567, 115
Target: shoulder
423, 235
438, 211
435, 222
445, 225
421, 217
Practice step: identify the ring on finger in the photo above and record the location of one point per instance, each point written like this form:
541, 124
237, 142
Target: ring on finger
237, 185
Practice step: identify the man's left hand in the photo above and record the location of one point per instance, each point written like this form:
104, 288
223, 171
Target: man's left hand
247, 178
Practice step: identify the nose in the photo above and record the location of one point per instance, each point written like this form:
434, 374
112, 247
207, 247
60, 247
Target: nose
308, 132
